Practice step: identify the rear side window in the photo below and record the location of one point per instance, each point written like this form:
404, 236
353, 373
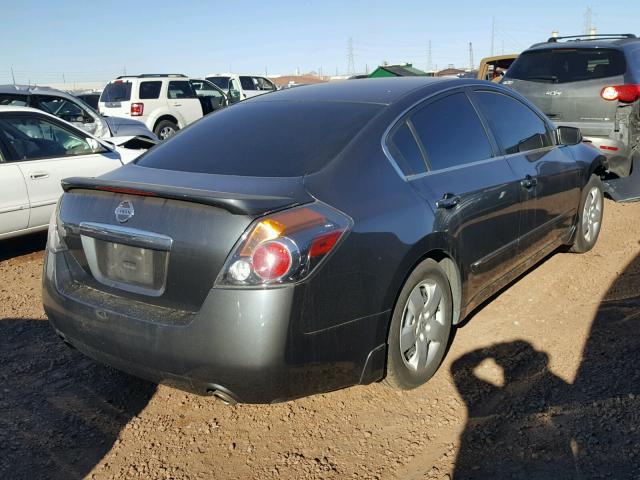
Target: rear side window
180, 89
451, 132
149, 90
518, 128
298, 138
247, 83
404, 149
564, 65
116, 92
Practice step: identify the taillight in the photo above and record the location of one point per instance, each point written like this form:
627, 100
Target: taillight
137, 109
284, 247
55, 243
623, 93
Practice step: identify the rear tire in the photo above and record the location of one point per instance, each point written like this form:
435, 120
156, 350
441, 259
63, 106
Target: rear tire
420, 327
589, 216
165, 129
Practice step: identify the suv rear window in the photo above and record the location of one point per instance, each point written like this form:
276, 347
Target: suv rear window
116, 92
263, 139
564, 65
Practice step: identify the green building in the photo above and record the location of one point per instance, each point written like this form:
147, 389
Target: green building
405, 70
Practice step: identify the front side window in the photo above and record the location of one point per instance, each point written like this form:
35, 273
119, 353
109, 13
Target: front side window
60, 107
264, 84
451, 132
222, 82
516, 126
205, 89
150, 90
31, 138
247, 83
180, 89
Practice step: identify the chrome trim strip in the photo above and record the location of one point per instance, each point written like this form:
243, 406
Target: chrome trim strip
126, 235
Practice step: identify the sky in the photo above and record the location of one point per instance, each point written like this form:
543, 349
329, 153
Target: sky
81, 41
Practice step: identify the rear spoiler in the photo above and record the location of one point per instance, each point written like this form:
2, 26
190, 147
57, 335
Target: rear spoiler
235, 203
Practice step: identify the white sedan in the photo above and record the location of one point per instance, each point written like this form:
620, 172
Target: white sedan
37, 151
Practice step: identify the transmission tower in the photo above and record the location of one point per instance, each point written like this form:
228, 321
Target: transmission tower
493, 34
351, 63
588, 21
470, 56
429, 59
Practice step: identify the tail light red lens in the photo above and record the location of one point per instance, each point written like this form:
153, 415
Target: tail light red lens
623, 93
137, 109
285, 247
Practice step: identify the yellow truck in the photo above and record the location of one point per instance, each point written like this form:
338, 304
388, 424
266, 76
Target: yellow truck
493, 68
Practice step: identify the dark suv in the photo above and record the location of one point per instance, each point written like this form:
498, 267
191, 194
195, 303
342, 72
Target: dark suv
591, 82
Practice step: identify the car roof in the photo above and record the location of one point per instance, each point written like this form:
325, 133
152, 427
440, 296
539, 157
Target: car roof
588, 43
366, 90
33, 90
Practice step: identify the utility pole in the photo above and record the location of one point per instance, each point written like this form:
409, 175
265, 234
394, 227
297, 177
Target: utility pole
351, 64
493, 34
13, 76
266, 73
429, 59
470, 56
502, 48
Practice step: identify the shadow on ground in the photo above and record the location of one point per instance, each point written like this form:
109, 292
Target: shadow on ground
15, 247
536, 426
60, 412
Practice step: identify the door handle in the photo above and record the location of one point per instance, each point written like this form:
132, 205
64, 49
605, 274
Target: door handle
177, 104
449, 200
38, 175
528, 182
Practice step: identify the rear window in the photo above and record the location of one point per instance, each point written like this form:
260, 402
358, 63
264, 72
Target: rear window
564, 65
222, 82
263, 139
116, 92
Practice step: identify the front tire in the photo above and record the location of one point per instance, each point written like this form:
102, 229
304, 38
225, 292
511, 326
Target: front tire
420, 327
589, 216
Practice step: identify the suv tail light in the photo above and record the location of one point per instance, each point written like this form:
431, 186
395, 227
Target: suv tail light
284, 247
137, 109
624, 93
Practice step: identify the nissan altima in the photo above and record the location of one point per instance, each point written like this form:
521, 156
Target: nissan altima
316, 238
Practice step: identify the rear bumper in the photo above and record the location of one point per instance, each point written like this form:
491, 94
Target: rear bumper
245, 343
617, 154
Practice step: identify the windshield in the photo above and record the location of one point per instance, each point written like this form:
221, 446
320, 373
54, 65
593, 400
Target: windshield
264, 139
117, 91
564, 65
222, 82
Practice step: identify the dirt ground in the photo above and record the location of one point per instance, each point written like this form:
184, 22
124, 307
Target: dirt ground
542, 382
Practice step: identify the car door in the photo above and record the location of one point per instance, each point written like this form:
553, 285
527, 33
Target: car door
47, 151
249, 87
14, 200
183, 101
548, 175
472, 192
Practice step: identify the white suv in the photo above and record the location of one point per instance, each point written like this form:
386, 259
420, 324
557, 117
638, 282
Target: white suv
164, 102
239, 87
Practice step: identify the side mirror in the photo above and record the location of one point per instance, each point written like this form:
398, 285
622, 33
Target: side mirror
568, 135
100, 146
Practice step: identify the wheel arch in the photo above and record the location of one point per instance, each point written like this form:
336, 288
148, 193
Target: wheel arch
165, 116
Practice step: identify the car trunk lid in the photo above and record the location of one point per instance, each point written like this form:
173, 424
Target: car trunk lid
162, 244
